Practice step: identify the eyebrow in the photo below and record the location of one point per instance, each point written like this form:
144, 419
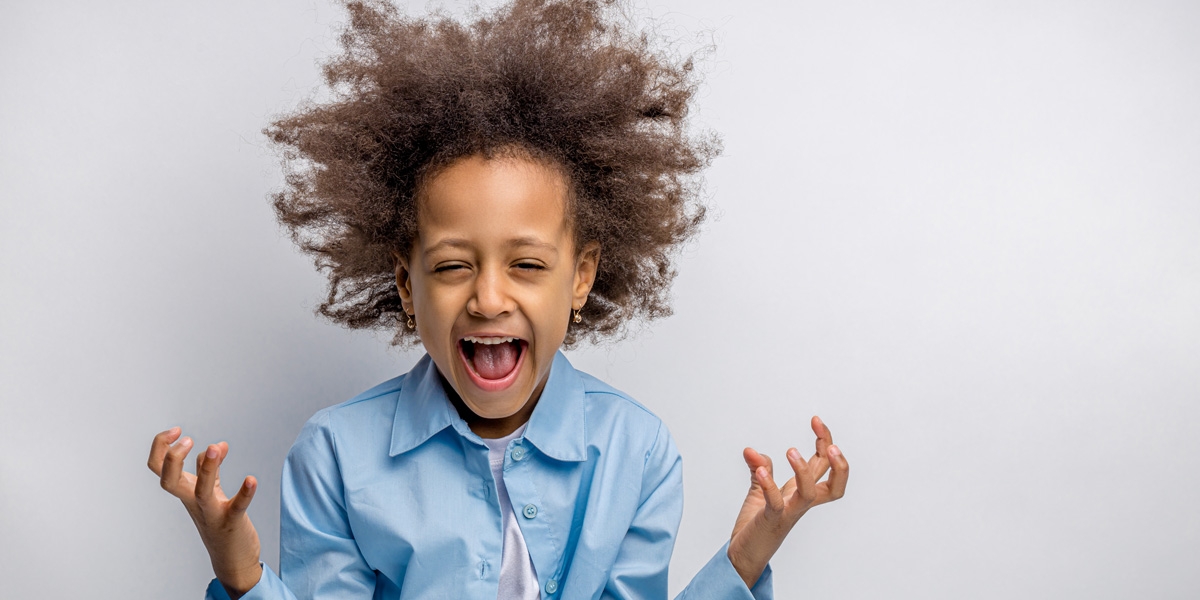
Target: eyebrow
511, 243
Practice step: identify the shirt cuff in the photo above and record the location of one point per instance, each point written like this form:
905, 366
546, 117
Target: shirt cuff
269, 587
720, 581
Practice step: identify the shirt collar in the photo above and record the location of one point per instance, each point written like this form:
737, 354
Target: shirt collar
556, 426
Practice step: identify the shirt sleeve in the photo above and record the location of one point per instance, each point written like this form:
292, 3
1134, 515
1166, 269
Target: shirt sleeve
640, 570
318, 556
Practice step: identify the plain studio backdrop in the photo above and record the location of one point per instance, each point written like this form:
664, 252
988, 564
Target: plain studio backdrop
964, 233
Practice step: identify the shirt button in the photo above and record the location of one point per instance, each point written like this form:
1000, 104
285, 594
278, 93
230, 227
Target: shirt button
531, 512
551, 586
518, 453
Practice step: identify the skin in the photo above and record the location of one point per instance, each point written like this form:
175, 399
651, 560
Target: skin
495, 254
769, 512
226, 530
487, 282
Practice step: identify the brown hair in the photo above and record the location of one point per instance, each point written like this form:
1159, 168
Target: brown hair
559, 81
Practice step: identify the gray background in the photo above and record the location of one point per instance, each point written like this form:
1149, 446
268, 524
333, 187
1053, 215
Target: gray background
964, 233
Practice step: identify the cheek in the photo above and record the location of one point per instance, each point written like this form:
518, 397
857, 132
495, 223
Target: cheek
434, 322
436, 304
552, 318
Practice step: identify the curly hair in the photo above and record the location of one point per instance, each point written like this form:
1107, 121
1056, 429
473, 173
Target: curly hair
562, 82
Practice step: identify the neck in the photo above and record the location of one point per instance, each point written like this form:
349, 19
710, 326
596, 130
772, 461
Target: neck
492, 428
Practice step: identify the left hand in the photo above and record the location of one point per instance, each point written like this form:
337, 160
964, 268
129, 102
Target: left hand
769, 513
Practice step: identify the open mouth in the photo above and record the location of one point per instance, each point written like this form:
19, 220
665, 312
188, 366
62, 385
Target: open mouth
492, 362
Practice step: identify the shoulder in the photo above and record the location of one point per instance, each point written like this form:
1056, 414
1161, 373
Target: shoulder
599, 392
353, 419
617, 416
601, 396
375, 402
628, 434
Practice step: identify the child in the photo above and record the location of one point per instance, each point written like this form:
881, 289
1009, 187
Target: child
493, 193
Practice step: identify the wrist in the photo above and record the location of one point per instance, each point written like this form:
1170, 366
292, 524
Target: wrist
238, 583
749, 570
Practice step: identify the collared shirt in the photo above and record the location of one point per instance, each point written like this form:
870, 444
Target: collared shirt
390, 495
518, 580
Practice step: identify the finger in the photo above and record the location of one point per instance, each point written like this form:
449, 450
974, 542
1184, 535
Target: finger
207, 465
818, 466
241, 500
841, 473
770, 491
222, 452
172, 472
754, 460
824, 436
806, 486
158, 449
821, 459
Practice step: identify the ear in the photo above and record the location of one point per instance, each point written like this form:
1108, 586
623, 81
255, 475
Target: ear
403, 281
585, 273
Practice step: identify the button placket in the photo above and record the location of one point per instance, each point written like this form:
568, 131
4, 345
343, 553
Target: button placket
537, 527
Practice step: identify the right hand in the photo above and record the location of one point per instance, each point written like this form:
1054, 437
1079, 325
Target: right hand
224, 526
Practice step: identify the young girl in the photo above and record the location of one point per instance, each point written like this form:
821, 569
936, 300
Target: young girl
493, 193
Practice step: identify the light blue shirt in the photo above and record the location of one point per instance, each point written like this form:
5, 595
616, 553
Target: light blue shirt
390, 495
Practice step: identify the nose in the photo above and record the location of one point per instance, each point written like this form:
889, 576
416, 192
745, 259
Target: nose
491, 296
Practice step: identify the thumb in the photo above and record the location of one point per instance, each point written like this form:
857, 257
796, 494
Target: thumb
754, 460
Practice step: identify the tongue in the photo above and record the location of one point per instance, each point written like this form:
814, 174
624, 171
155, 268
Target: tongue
494, 361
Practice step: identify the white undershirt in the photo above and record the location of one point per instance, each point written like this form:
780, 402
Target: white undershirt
518, 580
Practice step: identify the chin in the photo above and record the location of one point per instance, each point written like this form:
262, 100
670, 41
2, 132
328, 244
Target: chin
494, 411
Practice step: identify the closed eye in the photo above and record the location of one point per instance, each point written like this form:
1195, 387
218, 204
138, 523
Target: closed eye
530, 266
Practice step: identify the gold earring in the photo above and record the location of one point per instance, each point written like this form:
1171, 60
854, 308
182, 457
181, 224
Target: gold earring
577, 317
411, 325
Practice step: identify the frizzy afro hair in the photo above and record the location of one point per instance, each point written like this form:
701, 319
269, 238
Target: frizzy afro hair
562, 82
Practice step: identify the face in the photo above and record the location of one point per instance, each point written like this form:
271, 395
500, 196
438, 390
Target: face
494, 259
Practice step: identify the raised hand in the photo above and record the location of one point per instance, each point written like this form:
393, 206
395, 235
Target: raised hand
224, 526
769, 513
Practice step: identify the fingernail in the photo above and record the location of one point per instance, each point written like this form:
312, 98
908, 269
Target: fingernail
212, 452
762, 473
833, 451
186, 442
794, 454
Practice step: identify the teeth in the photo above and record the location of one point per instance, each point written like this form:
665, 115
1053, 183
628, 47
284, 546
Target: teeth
488, 340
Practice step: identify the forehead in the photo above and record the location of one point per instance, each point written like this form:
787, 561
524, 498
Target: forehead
492, 201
